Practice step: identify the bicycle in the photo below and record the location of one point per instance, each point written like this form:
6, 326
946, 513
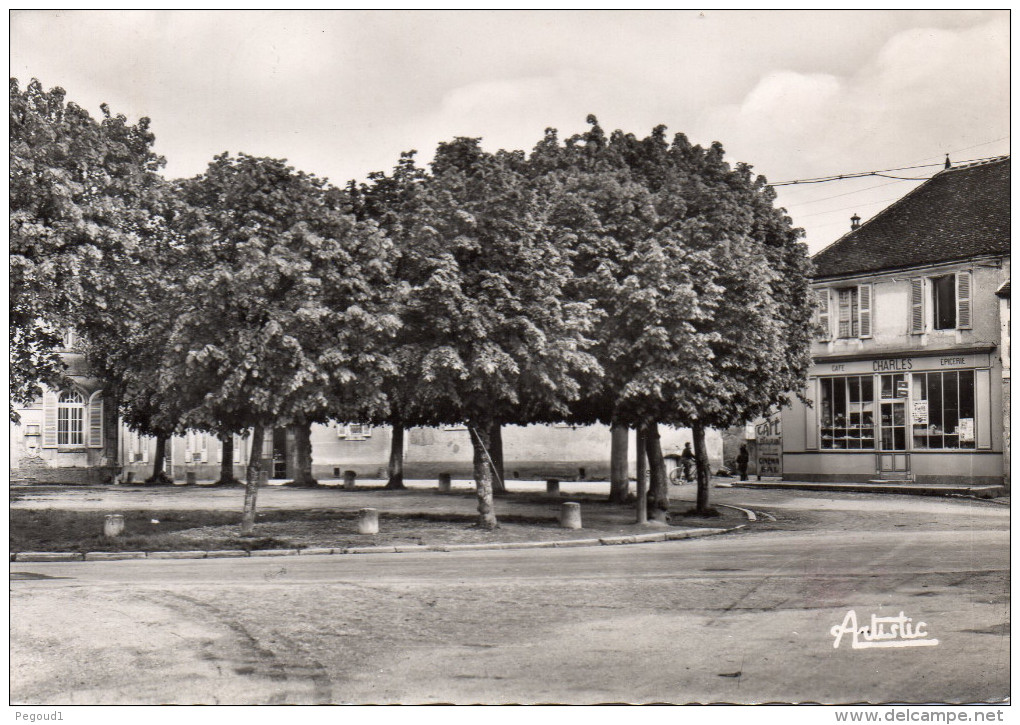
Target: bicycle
677, 477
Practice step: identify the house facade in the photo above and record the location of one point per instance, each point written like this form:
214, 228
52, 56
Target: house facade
74, 437
531, 452
909, 378
67, 436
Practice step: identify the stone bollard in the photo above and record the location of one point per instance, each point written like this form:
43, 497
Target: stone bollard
444, 483
191, 478
349, 478
368, 521
113, 526
570, 515
552, 487
263, 478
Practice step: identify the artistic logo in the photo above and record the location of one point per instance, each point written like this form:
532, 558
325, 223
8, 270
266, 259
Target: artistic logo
882, 632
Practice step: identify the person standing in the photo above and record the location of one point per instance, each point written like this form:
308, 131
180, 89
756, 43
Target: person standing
742, 459
687, 461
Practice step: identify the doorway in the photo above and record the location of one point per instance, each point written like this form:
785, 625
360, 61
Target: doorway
893, 459
279, 453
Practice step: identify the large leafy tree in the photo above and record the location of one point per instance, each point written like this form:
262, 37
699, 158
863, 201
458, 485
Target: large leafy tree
392, 202
285, 322
80, 205
700, 279
497, 340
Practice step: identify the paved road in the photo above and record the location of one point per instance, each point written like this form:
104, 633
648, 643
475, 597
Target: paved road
738, 618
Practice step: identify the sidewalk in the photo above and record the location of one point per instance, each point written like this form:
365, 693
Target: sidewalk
999, 493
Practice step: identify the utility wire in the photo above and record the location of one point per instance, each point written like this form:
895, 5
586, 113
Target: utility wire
880, 172
845, 193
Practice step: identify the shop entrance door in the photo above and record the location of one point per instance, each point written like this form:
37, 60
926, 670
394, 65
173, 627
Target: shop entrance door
893, 460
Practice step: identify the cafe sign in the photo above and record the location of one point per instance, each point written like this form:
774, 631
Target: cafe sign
769, 446
902, 364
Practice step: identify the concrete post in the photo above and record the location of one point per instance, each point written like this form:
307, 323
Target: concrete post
368, 521
349, 478
444, 483
113, 526
570, 515
552, 487
191, 478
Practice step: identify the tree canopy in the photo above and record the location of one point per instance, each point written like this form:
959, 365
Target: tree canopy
80, 200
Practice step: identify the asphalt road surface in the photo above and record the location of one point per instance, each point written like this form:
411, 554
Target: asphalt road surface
742, 617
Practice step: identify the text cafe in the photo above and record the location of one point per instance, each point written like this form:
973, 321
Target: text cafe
929, 419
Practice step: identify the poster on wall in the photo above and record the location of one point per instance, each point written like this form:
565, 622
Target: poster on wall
769, 437
966, 429
919, 412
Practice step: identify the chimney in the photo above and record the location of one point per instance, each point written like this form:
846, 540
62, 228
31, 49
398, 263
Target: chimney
855, 222
948, 163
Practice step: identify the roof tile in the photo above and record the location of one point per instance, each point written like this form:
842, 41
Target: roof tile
959, 213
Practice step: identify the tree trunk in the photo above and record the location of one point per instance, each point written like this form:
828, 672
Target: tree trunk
496, 454
701, 468
658, 490
619, 483
111, 432
227, 477
395, 469
483, 477
252, 475
158, 474
642, 476
303, 455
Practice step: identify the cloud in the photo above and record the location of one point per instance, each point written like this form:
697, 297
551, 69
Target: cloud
924, 92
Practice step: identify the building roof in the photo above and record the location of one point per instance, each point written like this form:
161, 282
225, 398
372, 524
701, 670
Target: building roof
1003, 291
959, 213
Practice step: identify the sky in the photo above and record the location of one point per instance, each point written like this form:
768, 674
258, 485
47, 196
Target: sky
796, 94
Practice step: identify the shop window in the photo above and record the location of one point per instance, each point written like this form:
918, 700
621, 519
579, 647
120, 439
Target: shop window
71, 419
848, 412
942, 415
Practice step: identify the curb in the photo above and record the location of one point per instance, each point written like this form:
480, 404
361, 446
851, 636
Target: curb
751, 515
60, 556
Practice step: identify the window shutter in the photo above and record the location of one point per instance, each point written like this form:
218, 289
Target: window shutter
144, 442
916, 306
864, 293
822, 310
203, 447
237, 449
96, 420
963, 300
49, 438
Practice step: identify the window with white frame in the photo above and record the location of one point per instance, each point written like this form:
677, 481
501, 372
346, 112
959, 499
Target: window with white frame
851, 307
942, 302
353, 431
71, 419
846, 300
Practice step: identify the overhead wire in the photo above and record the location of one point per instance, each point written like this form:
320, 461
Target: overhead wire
879, 172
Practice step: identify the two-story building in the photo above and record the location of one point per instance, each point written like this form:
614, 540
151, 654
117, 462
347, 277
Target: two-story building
907, 377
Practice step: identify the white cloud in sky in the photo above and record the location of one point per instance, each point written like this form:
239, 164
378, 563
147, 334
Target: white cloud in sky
341, 94
926, 91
